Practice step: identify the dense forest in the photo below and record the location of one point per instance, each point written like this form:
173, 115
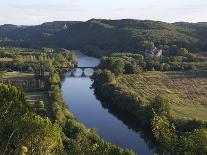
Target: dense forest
99, 37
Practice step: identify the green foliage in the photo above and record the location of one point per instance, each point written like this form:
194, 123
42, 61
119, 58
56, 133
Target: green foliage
164, 132
20, 126
173, 50
129, 63
137, 94
54, 79
122, 63
195, 142
148, 45
102, 77
160, 106
77, 139
178, 142
91, 50
33, 134
118, 66
40, 106
24, 150
87, 142
12, 104
59, 108
42, 137
132, 69
100, 37
38, 61
184, 52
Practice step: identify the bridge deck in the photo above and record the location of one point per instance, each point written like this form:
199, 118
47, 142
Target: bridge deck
75, 67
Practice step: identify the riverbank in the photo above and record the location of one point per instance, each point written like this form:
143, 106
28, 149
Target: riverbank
77, 138
50, 112
88, 110
140, 96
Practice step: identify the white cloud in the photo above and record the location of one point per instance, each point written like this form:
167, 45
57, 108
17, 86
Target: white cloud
39, 11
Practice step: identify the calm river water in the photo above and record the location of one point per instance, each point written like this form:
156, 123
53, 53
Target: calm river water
89, 111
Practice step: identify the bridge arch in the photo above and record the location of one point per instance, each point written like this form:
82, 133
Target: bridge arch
79, 71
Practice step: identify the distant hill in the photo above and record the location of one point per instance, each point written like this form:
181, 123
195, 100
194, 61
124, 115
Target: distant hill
107, 35
38, 35
197, 30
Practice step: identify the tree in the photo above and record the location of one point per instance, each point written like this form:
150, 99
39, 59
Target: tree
174, 50
20, 126
148, 45
118, 66
60, 60
149, 65
164, 132
132, 68
160, 106
183, 52
40, 106
194, 142
24, 150
19, 59
54, 79
166, 67
104, 76
39, 135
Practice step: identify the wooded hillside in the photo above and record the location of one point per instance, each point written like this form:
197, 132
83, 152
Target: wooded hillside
102, 36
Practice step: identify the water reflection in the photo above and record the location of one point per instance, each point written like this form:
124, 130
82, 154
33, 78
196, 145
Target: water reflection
112, 126
132, 123
80, 72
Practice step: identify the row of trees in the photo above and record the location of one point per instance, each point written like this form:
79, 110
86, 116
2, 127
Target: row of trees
77, 139
165, 131
128, 63
123, 64
30, 61
26, 85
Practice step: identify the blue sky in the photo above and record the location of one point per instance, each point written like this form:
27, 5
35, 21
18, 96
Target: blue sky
32, 12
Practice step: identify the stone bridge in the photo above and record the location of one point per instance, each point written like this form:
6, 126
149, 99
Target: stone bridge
77, 71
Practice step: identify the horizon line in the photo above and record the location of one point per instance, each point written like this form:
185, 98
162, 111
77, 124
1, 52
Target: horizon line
117, 19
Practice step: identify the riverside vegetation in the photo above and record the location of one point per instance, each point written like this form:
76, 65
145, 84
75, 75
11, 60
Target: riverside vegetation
171, 104
167, 96
44, 126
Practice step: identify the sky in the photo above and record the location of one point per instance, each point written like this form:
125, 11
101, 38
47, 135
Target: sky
33, 12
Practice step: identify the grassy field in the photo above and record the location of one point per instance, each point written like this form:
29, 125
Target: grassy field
32, 97
6, 59
187, 91
18, 75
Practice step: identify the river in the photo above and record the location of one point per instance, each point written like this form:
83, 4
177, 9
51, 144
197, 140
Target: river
89, 111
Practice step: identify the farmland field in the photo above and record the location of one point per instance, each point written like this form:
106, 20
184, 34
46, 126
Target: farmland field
186, 91
18, 76
32, 97
6, 59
